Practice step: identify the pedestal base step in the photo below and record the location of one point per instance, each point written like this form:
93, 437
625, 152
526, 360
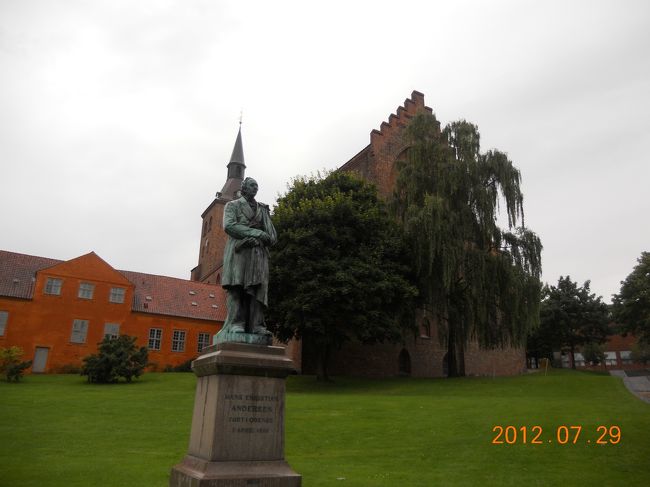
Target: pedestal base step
194, 472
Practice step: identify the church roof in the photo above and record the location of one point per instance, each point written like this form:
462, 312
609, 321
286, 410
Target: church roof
229, 190
237, 151
236, 170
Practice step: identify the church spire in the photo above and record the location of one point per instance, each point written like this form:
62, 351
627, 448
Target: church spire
236, 170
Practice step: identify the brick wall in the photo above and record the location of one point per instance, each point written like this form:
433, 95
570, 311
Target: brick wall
212, 244
426, 360
506, 361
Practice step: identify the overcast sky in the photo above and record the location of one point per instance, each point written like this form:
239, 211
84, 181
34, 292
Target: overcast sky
117, 118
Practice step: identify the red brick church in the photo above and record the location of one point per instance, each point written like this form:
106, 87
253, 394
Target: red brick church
420, 355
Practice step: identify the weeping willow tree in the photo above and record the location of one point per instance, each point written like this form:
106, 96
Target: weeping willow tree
481, 281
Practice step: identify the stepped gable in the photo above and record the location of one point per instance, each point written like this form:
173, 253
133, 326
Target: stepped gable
398, 121
18, 273
176, 297
376, 161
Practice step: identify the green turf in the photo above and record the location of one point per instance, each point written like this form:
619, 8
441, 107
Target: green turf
60, 431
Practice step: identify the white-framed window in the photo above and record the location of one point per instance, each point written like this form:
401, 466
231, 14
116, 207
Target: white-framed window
4, 316
155, 337
86, 290
111, 330
610, 358
204, 341
79, 331
626, 357
117, 295
53, 286
178, 341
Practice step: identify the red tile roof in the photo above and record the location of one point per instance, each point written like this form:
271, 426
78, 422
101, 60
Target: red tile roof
168, 295
18, 273
175, 297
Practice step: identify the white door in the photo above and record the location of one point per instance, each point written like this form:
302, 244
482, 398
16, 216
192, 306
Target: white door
40, 359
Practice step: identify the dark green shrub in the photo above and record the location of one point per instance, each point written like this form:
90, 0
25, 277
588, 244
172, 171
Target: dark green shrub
184, 367
594, 353
69, 369
117, 357
641, 352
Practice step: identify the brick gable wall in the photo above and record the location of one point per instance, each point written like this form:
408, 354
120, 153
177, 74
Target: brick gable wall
377, 163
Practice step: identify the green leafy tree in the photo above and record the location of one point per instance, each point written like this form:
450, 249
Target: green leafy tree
594, 353
11, 365
572, 316
338, 271
542, 342
641, 352
479, 280
631, 306
117, 357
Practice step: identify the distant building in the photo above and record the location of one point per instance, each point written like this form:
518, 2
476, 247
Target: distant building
58, 311
618, 355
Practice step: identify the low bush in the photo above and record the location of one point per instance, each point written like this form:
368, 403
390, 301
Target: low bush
117, 357
184, 367
69, 369
10, 364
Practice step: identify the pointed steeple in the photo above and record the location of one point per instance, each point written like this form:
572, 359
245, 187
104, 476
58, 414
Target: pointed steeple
237, 151
236, 170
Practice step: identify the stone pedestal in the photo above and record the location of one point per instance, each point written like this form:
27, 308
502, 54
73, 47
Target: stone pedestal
237, 435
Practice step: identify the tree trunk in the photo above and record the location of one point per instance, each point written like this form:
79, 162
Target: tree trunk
460, 360
452, 363
323, 359
573, 357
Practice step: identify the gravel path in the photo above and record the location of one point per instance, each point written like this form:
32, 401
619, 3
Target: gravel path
639, 386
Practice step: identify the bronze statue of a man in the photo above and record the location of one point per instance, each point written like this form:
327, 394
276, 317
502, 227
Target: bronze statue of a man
245, 275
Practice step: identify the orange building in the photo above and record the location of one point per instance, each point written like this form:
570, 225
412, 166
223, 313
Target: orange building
58, 311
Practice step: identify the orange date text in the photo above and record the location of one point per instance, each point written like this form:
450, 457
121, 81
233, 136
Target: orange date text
563, 435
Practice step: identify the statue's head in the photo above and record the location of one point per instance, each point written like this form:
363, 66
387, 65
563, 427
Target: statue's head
249, 188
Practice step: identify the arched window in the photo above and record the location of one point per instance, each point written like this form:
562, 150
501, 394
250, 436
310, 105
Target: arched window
426, 328
404, 363
210, 224
205, 227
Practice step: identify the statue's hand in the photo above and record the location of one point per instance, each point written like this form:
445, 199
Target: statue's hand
265, 238
246, 243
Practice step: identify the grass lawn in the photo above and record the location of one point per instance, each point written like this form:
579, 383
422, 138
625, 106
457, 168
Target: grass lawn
59, 431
